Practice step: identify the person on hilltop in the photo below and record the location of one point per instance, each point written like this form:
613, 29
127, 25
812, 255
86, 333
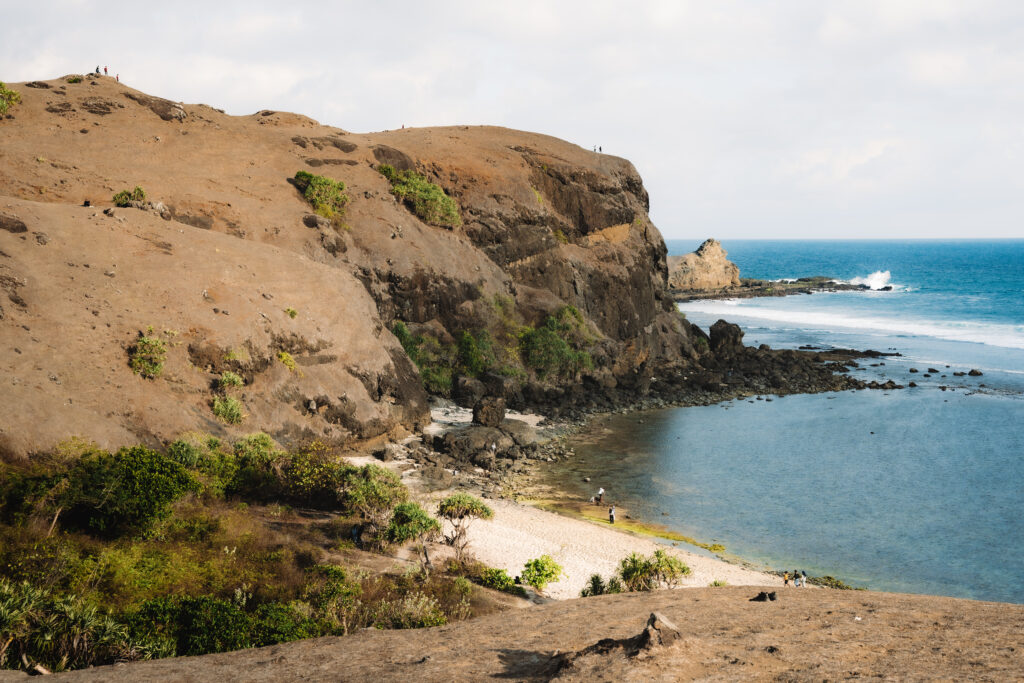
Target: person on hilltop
105, 71
611, 515
97, 69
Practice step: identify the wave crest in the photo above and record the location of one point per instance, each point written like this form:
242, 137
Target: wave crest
877, 280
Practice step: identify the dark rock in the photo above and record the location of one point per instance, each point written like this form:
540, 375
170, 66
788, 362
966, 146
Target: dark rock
522, 433
393, 157
975, 373
311, 220
912, 385
933, 371
165, 109
760, 597
12, 223
467, 391
660, 632
38, 84
726, 338
489, 411
912, 370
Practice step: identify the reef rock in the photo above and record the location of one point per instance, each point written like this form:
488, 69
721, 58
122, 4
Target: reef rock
705, 269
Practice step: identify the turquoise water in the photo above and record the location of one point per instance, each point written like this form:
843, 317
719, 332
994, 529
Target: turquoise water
919, 490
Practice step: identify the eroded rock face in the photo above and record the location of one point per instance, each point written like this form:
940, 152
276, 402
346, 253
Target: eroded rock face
705, 269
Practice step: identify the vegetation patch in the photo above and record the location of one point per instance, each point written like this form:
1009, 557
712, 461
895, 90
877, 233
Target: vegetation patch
639, 573
287, 360
146, 357
74, 79
557, 349
8, 98
126, 197
460, 509
228, 408
541, 571
230, 380
291, 312
326, 196
427, 200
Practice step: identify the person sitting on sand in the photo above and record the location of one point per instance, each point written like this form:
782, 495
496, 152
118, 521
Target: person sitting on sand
611, 515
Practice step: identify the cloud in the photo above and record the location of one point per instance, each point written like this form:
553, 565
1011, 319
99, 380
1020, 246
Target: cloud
745, 118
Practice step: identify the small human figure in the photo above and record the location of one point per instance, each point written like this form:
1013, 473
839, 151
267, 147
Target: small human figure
600, 150
104, 71
611, 515
803, 579
600, 495
97, 69
117, 78
785, 578
494, 447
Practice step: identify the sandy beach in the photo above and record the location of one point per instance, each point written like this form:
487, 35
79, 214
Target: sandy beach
519, 532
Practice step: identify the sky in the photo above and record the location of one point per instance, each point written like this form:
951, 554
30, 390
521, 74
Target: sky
746, 118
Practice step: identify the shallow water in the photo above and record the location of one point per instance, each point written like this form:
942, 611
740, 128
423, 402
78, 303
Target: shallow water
833, 484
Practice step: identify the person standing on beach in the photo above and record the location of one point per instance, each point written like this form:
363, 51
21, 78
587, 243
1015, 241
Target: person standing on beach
803, 579
600, 495
611, 515
785, 578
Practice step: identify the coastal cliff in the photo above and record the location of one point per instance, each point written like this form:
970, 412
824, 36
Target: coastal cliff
546, 284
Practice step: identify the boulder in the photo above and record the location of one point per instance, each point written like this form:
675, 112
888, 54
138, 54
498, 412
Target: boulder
12, 223
489, 411
522, 433
660, 632
467, 391
975, 373
726, 338
705, 269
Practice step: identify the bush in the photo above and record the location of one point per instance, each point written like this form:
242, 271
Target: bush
291, 312
427, 200
541, 571
556, 348
326, 196
228, 408
74, 79
413, 610
435, 361
287, 360
410, 522
373, 492
598, 586
257, 465
499, 580
278, 623
229, 379
126, 197
147, 356
476, 353
124, 492
196, 625
460, 509
61, 633
639, 573
8, 98
315, 477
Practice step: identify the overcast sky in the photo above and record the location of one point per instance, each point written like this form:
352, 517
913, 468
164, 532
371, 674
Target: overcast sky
746, 119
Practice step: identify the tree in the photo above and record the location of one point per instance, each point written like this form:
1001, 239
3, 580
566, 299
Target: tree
410, 522
373, 492
460, 509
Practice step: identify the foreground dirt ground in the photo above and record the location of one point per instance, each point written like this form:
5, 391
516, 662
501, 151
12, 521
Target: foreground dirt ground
805, 635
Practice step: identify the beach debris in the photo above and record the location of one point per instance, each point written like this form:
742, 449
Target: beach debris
765, 596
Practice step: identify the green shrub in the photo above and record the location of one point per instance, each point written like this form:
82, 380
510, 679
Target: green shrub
61, 633
146, 357
435, 361
427, 200
124, 492
230, 379
196, 625
598, 586
274, 623
410, 522
74, 79
718, 583
326, 196
291, 312
541, 571
257, 463
639, 573
8, 98
559, 236
287, 360
373, 492
315, 477
499, 580
125, 197
228, 408
476, 352
701, 344
460, 509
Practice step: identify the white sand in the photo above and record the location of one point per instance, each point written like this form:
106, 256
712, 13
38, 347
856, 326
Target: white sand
518, 533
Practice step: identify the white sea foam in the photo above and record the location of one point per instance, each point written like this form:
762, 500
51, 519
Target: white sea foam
993, 334
877, 280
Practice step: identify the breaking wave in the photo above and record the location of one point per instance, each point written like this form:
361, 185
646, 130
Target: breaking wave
993, 334
877, 280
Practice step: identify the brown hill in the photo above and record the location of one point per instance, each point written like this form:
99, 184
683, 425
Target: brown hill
806, 635
229, 245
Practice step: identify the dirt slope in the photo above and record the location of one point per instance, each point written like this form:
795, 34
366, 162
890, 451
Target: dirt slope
807, 635
231, 245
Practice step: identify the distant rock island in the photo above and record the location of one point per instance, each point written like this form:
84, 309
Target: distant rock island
707, 274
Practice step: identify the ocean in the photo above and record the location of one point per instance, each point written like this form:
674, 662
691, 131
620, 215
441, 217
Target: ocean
917, 490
